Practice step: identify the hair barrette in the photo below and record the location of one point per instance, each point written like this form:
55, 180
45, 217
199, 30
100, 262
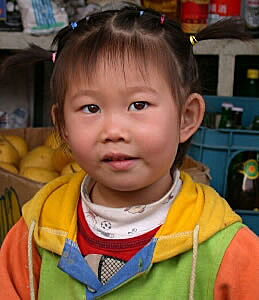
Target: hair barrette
74, 25
193, 40
54, 54
141, 13
162, 19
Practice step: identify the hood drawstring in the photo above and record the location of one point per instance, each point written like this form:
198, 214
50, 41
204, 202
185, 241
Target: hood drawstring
195, 243
30, 261
194, 260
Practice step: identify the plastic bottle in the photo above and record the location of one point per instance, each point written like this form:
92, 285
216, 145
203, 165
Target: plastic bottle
250, 13
233, 171
209, 119
243, 181
250, 87
255, 124
226, 115
13, 20
237, 113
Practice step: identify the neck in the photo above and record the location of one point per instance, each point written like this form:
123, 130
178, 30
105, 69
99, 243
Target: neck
105, 196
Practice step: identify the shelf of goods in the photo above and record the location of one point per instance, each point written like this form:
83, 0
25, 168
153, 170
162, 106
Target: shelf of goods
217, 147
227, 50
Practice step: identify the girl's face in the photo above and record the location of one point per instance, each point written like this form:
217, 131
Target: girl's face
123, 129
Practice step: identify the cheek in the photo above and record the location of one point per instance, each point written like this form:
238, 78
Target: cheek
161, 138
80, 143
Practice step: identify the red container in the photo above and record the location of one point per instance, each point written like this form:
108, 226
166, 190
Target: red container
194, 15
219, 9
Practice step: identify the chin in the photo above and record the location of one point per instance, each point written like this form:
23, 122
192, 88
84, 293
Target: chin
125, 187
128, 188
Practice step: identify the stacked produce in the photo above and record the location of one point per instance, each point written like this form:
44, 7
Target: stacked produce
42, 163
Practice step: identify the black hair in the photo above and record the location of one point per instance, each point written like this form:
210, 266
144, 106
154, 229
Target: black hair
115, 35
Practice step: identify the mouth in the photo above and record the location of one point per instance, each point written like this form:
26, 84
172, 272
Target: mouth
117, 157
119, 161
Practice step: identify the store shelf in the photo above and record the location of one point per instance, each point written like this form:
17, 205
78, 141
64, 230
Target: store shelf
20, 40
227, 47
227, 50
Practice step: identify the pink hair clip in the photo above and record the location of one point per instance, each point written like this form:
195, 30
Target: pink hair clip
54, 54
162, 19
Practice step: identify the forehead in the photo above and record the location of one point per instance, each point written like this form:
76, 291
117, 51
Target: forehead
124, 72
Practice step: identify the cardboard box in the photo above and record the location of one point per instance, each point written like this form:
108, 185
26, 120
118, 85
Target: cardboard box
24, 188
15, 190
198, 171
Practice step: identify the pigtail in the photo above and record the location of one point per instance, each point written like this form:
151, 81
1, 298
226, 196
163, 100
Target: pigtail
22, 58
228, 28
61, 38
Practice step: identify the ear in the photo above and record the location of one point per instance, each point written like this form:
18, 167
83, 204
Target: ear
191, 117
53, 114
54, 121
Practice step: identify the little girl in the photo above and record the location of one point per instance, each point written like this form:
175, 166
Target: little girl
127, 101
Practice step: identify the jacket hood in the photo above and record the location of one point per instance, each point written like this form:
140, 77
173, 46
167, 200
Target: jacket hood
53, 210
197, 206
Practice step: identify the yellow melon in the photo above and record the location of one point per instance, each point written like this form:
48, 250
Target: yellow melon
70, 168
39, 174
8, 153
40, 157
19, 144
61, 157
8, 167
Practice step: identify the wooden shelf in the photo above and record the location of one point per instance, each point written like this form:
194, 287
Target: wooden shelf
227, 47
20, 40
227, 50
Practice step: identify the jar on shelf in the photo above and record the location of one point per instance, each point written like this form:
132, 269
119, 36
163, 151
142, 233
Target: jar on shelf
219, 9
194, 15
170, 8
250, 13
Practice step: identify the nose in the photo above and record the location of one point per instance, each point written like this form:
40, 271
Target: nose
115, 129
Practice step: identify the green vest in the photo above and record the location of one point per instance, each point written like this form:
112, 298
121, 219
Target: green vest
169, 279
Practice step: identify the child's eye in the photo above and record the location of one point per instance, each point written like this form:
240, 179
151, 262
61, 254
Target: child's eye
139, 105
91, 109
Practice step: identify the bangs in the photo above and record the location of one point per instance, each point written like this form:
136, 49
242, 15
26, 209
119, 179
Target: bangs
112, 51
107, 48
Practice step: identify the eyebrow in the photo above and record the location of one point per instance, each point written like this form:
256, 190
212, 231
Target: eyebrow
129, 89
85, 93
148, 89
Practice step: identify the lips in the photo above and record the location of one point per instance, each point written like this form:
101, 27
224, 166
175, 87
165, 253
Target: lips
119, 161
116, 157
